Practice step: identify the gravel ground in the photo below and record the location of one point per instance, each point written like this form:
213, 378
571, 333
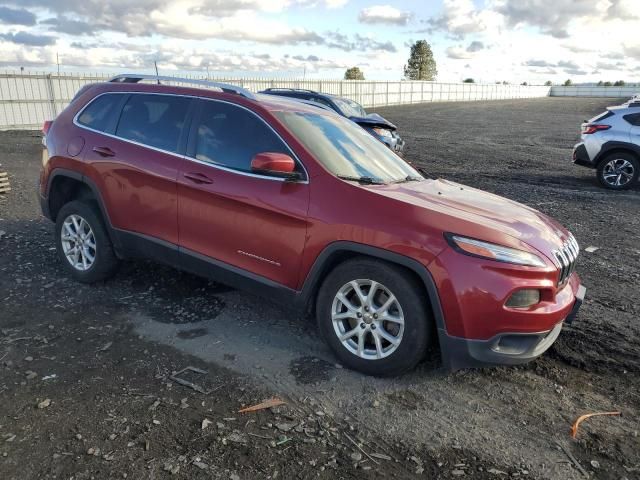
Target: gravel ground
85, 387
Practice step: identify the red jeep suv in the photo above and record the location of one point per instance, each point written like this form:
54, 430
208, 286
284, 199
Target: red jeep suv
300, 205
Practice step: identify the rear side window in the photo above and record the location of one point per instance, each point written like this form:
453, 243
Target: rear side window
322, 101
633, 119
154, 120
99, 112
602, 116
231, 136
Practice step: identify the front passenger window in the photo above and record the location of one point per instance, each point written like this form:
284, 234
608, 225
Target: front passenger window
231, 136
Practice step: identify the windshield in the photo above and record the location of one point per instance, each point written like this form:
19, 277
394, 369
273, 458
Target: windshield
349, 108
346, 149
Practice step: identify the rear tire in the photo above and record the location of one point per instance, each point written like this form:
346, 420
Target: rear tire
618, 171
83, 244
397, 314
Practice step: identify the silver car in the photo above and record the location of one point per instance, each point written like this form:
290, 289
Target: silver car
610, 143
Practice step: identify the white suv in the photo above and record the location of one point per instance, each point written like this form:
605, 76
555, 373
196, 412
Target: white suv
610, 143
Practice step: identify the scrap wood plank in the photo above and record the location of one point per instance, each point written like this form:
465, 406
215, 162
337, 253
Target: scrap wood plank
4, 182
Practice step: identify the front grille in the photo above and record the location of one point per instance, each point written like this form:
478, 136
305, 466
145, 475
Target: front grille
566, 257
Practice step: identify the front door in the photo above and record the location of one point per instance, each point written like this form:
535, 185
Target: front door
226, 212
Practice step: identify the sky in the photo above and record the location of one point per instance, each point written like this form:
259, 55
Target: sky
488, 40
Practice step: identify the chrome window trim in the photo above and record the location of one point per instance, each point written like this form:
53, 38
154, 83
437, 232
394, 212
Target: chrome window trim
186, 157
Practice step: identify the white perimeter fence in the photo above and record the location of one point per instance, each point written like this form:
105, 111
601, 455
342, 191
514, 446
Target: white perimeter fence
594, 91
28, 99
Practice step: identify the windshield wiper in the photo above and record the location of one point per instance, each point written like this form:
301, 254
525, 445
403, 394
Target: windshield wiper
363, 180
408, 178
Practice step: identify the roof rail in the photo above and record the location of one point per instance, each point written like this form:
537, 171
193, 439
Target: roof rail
273, 89
225, 87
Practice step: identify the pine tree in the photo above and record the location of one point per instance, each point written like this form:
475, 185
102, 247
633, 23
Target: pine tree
421, 64
353, 73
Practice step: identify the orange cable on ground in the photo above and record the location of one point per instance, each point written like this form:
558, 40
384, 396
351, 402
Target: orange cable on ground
574, 427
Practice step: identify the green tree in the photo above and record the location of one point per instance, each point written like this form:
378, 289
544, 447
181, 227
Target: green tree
547, 83
568, 82
468, 80
607, 84
524, 83
619, 83
353, 73
600, 83
421, 64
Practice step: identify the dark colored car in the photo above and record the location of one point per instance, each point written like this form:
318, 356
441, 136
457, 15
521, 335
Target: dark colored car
379, 127
302, 206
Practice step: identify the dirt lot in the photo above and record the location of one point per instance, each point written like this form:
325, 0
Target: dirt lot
85, 387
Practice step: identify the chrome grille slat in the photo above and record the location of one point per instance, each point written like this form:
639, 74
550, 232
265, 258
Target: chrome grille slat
566, 257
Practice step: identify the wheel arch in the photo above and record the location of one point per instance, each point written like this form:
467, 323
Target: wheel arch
66, 185
617, 147
337, 252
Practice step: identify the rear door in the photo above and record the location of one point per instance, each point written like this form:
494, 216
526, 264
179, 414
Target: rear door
228, 213
135, 163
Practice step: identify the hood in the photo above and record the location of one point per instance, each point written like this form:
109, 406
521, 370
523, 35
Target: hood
373, 120
482, 215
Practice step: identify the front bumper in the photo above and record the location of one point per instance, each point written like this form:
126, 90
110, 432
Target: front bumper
505, 348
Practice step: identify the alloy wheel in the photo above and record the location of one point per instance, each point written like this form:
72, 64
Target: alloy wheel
367, 319
618, 172
78, 242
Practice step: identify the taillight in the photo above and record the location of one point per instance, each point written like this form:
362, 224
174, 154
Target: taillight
593, 128
47, 126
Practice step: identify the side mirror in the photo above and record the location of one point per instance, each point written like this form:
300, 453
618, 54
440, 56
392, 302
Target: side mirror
276, 164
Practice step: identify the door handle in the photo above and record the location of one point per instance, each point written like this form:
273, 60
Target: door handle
199, 178
104, 151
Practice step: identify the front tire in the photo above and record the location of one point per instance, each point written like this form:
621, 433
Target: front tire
618, 171
83, 244
374, 317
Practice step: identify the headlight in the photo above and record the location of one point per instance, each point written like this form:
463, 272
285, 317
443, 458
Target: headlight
491, 251
383, 132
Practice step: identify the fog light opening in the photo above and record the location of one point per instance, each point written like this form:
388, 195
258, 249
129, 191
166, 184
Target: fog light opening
524, 298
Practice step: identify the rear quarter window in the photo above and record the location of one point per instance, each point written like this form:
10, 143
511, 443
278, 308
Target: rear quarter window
602, 116
98, 113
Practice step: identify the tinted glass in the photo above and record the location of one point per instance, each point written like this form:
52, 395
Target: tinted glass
633, 119
602, 116
349, 108
346, 149
322, 101
231, 136
98, 113
154, 120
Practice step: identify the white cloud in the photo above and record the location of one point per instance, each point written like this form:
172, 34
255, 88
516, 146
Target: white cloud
458, 53
460, 17
384, 14
551, 16
335, 3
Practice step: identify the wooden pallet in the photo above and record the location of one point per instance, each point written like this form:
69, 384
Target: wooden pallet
4, 182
